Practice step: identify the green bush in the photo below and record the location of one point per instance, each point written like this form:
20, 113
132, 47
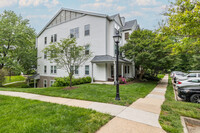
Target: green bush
24, 86
2, 77
65, 81
129, 79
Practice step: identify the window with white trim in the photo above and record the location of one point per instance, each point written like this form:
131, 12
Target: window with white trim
76, 70
87, 30
52, 82
45, 69
45, 40
53, 69
87, 70
45, 83
87, 49
74, 33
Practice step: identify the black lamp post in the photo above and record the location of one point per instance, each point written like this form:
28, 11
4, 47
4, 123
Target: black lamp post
117, 38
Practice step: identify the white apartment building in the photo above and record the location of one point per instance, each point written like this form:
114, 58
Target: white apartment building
88, 28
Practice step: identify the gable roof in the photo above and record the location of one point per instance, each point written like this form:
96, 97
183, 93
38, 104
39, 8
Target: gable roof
128, 25
77, 11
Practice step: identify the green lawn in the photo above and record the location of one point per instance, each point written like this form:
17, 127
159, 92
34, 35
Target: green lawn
95, 92
14, 79
19, 115
172, 110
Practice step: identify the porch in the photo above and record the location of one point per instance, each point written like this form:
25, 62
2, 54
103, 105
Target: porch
104, 69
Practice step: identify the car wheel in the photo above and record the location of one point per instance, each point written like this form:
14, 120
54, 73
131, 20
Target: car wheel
195, 98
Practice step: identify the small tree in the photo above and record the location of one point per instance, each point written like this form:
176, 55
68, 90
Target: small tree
67, 55
2, 77
149, 51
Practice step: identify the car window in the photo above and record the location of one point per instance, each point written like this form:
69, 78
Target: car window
199, 75
192, 75
194, 81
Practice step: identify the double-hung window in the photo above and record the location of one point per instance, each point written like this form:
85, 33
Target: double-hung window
87, 30
45, 69
45, 83
87, 71
87, 49
53, 69
45, 40
76, 70
74, 33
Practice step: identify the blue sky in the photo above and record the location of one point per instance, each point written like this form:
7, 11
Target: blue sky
39, 12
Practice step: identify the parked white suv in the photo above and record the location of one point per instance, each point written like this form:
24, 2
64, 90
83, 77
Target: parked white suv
189, 76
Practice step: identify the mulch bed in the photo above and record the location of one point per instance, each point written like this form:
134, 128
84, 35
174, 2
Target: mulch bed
70, 88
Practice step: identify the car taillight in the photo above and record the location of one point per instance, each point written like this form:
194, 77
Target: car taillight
179, 82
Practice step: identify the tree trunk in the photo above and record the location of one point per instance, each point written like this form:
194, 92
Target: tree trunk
10, 75
141, 73
70, 77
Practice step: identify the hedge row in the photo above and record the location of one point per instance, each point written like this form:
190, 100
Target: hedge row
65, 81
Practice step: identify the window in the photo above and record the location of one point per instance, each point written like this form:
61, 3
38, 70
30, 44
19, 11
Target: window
45, 83
55, 37
194, 81
51, 38
128, 69
87, 30
45, 55
52, 82
45, 69
53, 69
198, 75
192, 75
87, 49
45, 40
87, 72
76, 70
125, 69
74, 33
126, 36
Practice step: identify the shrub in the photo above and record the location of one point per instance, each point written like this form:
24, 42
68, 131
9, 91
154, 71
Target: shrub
24, 86
59, 82
129, 79
122, 80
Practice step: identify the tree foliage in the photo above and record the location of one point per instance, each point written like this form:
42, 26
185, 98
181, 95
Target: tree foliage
184, 24
149, 51
17, 43
67, 54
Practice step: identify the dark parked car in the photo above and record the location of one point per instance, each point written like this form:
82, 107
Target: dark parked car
190, 93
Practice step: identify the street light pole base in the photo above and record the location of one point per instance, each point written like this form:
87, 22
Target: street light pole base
117, 98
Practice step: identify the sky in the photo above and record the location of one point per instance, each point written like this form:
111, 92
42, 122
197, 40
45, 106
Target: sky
147, 12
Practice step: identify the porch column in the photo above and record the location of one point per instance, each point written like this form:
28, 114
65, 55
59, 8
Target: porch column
92, 73
114, 73
122, 68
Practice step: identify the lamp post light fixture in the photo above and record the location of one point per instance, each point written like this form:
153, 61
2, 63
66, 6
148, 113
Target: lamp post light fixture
117, 39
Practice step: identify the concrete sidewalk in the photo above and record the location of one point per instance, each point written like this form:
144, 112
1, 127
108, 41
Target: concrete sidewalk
140, 117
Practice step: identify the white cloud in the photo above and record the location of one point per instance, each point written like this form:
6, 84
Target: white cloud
103, 5
146, 2
133, 14
5, 3
38, 16
155, 9
22, 3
